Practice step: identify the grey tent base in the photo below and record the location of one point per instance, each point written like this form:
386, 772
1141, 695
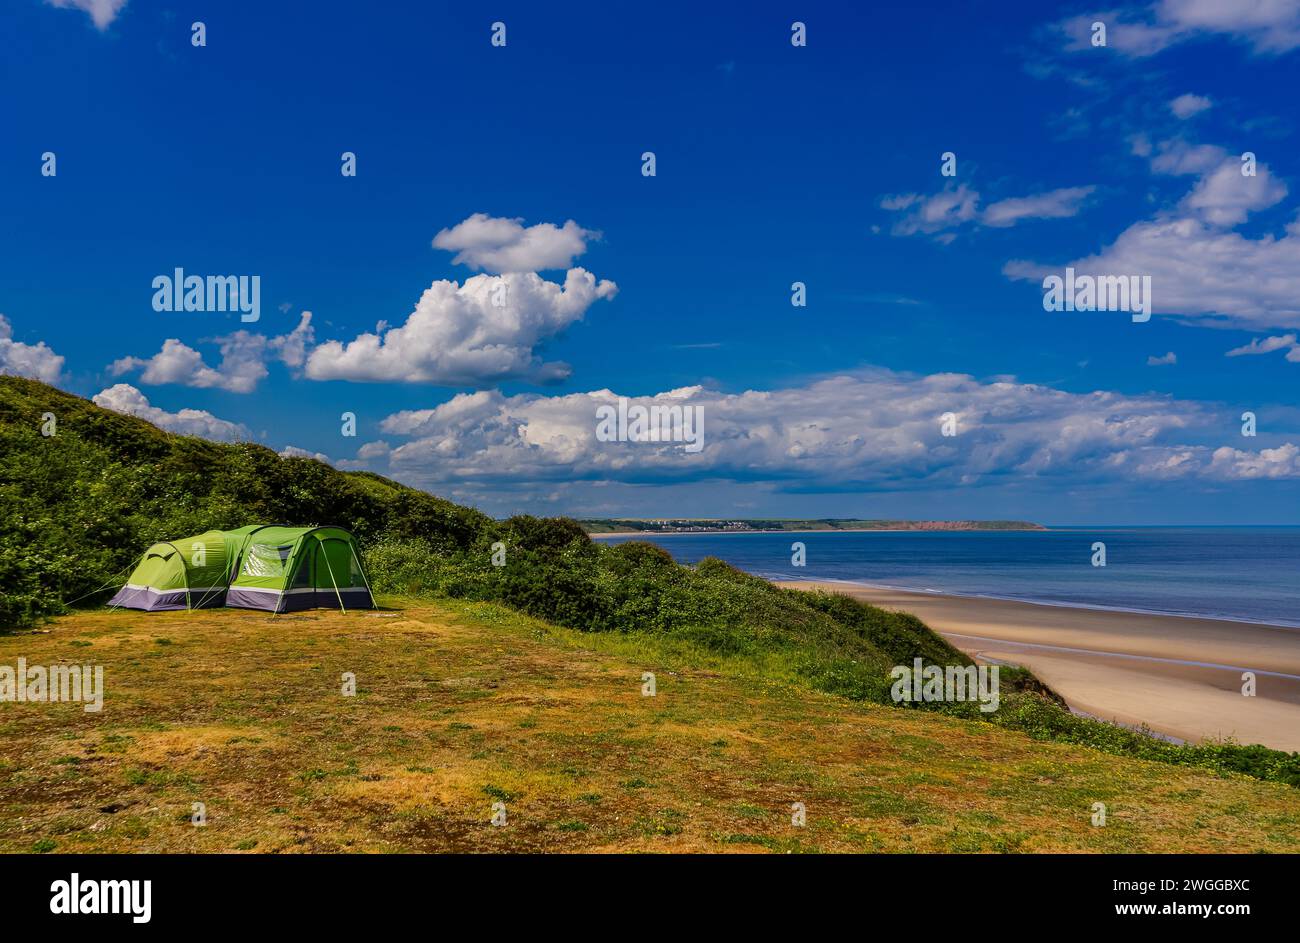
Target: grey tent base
274, 600
153, 600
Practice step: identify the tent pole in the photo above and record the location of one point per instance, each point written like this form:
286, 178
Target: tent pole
320, 544
362, 571
185, 572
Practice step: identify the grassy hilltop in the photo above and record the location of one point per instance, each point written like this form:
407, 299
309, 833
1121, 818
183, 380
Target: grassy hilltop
77, 508
463, 704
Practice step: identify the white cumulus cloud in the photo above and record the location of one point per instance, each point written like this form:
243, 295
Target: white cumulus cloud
1201, 268
124, 398
496, 244
36, 361
873, 430
1224, 197
242, 366
1236, 464
482, 331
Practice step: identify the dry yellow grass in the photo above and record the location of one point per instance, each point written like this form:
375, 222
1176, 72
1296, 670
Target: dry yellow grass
460, 706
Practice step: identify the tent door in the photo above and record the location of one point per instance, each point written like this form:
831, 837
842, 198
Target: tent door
333, 562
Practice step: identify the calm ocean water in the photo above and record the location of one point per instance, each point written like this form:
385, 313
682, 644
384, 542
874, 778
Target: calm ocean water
1246, 573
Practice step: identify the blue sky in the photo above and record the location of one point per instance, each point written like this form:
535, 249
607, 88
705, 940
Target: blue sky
774, 164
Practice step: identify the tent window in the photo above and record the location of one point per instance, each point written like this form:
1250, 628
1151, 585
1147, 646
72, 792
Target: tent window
267, 559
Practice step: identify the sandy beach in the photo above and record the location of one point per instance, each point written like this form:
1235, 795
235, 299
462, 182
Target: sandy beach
1179, 676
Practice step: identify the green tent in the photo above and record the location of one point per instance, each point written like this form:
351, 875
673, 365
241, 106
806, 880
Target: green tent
190, 573
289, 568
254, 567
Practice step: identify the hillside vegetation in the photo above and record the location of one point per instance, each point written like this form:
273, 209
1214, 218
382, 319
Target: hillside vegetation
77, 508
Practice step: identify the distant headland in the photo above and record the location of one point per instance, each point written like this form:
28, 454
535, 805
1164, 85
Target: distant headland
700, 525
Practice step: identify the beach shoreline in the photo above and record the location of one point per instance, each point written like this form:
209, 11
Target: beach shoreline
1180, 676
831, 583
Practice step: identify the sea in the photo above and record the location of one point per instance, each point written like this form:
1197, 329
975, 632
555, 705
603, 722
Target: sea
1249, 574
